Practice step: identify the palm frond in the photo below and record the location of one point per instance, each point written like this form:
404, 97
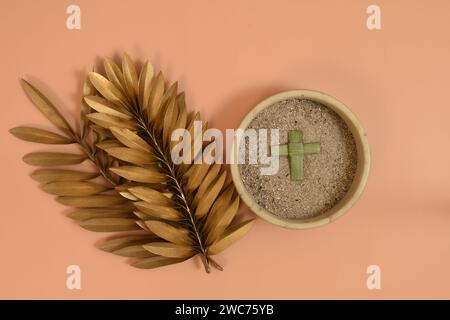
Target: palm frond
126, 121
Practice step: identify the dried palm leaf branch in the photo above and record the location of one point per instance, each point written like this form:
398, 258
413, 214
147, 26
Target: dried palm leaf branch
126, 122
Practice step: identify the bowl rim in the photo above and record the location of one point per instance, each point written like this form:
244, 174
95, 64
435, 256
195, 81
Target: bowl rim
361, 174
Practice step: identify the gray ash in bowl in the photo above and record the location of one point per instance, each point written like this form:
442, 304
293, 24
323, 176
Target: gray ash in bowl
328, 174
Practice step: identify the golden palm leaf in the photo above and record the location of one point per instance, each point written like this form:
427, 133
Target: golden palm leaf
126, 121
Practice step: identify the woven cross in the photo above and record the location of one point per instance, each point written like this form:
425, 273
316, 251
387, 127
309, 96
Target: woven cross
295, 150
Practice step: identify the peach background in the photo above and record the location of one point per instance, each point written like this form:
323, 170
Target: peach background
228, 55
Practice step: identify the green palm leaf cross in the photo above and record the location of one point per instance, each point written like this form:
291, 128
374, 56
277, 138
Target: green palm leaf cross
295, 149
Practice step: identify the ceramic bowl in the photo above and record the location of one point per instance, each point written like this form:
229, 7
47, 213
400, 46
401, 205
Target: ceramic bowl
361, 174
